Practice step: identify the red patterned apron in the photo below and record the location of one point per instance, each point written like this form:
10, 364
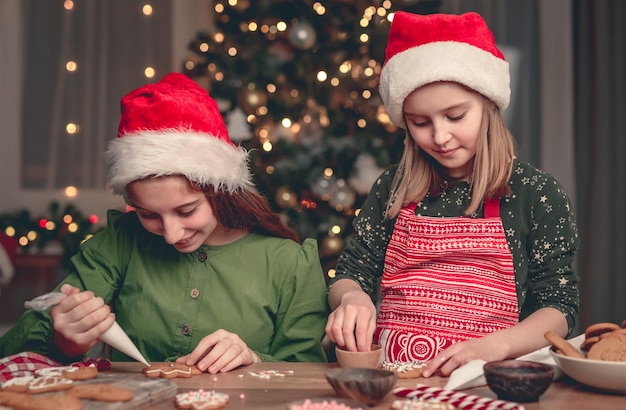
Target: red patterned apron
445, 280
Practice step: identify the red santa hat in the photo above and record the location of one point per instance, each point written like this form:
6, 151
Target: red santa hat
423, 49
174, 127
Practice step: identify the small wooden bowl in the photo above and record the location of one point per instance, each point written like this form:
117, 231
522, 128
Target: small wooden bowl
518, 380
366, 385
372, 359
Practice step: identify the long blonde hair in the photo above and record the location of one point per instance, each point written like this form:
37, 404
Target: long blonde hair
418, 174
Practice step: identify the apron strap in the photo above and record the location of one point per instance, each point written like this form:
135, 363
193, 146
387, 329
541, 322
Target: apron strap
492, 208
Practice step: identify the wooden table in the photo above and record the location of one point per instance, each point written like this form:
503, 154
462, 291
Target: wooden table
308, 381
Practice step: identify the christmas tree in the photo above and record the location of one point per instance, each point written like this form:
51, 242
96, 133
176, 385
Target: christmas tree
297, 82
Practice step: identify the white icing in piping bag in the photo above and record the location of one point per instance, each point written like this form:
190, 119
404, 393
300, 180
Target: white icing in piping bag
115, 336
118, 339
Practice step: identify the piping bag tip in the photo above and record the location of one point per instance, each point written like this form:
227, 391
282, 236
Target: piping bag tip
118, 339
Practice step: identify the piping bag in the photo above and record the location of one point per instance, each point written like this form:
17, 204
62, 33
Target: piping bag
114, 336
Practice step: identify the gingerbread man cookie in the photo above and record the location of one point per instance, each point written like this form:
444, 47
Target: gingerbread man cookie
170, 370
101, 392
69, 372
46, 402
49, 384
17, 384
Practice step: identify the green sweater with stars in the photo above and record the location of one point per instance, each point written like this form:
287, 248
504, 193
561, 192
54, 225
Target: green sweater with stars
538, 220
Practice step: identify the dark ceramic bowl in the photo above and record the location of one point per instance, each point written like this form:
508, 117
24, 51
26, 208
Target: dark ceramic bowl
366, 385
518, 380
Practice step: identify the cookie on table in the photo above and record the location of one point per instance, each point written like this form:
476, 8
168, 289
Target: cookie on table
170, 370
405, 370
16, 384
201, 399
12, 399
69, 372
100, 392
49, 384
53, 402
324, 404
417, 404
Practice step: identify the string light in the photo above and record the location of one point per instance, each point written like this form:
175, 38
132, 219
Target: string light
71, 66
72, 128
149, 72
71, 191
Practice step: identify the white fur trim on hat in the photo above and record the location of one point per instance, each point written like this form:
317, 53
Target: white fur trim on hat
201, 158
442, 61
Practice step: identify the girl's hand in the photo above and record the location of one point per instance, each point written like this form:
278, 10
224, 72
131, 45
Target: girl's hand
461, 353
353, 322
79, 320
221, 351
525, 337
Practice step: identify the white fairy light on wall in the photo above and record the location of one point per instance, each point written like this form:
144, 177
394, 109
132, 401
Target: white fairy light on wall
67, 125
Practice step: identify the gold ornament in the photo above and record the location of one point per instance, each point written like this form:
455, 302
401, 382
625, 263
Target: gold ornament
285, 197
250, 99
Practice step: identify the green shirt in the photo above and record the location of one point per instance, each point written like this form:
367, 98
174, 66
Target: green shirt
270, 291
538, 220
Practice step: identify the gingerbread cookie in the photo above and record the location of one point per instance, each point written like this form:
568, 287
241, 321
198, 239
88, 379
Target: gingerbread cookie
49, 384
598, 329
562, 345
17, 384
615, 333
53, 402
588, 342
609, 349
417, 404
405, 370
170, 370
12, 399
201, 399
100, 392
69, 372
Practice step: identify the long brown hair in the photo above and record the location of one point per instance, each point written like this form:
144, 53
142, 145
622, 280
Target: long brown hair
247, 209
418, 174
